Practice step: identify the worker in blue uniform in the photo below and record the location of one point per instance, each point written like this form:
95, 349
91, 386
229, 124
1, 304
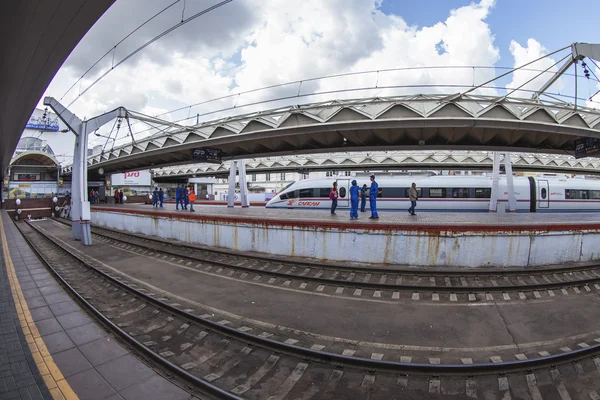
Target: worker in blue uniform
363, 198
177, 197
161, 197
155, 197
354, 189
373, 192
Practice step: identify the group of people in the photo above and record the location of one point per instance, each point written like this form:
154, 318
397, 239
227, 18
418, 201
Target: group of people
158, 197
119, 196
94, 197
185, 196
357, 192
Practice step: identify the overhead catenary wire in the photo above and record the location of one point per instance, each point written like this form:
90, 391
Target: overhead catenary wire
114, 48
148, 43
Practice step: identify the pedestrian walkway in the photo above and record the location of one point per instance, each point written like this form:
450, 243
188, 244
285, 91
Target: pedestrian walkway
51, 349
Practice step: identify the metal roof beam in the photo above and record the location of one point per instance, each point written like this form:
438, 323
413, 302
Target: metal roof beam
578, 52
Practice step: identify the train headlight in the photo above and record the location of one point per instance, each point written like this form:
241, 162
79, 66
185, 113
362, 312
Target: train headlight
19, 211
18, 202
55, 199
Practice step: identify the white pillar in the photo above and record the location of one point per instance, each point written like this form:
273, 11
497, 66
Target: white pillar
80, 207
495, 182
512, 201
75, 193
231, 193
243, 184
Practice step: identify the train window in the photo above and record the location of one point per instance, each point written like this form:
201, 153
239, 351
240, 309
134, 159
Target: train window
483, 193
544, 193
577, 194
284, 196
437, 192
324, 192
293, 194
594, 194
306, 192
391, 192
342, 192
460, 193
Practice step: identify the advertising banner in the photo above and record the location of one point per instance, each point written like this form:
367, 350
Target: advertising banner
132, 178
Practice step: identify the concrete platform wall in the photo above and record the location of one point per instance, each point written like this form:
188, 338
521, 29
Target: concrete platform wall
419, 248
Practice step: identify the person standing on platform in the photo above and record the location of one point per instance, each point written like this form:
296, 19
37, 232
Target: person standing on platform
96, 197
177, 197
121, 195
184, 197
155, 197
413, 196
161, 197
92, 197
354, 191
333, 195
116, 196
192, 198
363, 198
373, 193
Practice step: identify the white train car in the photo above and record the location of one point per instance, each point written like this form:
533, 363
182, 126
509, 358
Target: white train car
449, 193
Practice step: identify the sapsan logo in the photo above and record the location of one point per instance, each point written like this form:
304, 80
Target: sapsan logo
291, 202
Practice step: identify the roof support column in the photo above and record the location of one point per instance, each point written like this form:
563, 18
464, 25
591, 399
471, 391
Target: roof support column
495, 182
80, 206
76, 198
512, 201
243, 184
231, 193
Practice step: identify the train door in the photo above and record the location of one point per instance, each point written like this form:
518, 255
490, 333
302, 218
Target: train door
543, 194
343, 193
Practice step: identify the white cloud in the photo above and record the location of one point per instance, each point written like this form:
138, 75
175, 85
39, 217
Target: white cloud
248, 44
523, 55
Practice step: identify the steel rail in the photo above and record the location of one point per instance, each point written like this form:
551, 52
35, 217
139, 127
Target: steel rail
338, 360
205, 388
372, 285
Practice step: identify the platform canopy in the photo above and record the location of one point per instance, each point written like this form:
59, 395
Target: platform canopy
36, 37
389, 161
412, 122
33, 157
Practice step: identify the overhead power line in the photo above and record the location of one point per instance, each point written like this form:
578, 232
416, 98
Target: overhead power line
115, 46
148, 43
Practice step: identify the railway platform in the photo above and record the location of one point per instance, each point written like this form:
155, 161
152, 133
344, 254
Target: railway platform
258, 329
51, 349
428, 239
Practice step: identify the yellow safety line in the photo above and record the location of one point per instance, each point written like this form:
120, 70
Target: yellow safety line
54, 379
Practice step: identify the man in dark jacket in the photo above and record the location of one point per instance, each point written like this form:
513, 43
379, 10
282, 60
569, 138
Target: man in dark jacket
177, 197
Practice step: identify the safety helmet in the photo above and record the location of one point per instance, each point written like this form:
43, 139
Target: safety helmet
354, 182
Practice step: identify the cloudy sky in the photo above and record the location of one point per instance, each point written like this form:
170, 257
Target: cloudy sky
249, 44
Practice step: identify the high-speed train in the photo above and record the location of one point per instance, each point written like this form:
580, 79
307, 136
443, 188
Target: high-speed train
449, 193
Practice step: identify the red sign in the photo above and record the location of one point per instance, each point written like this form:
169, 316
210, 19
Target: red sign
304, 203
133, 174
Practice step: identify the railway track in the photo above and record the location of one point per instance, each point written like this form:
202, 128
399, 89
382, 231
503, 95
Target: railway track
458, 285
222, 362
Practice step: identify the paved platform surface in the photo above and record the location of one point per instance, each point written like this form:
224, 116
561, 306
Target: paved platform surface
455, 221
62, 353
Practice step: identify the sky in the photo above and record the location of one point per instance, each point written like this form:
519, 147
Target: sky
249, 44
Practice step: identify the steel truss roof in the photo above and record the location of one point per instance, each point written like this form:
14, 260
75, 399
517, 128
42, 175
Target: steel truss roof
412, 122
390, 160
